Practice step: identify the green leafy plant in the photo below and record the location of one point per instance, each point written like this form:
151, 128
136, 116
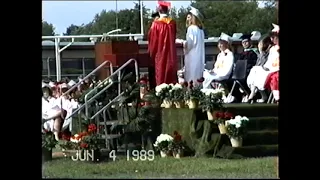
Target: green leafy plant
237, 127
211, 100
48, 140
177, 145
193, 92
177, 93
163, 91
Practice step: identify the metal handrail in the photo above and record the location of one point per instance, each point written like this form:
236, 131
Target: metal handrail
90, 100
90, 74
106, 106
118, 71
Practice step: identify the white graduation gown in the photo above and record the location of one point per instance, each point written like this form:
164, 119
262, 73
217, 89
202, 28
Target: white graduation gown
222, 69
258, 75
194, 58
49, 109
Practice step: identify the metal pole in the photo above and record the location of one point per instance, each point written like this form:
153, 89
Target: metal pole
91, 36
57, 49
83, 67
48, 67
117, 23
141, 16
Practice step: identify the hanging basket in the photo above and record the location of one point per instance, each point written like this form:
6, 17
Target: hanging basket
46, 154
236, 142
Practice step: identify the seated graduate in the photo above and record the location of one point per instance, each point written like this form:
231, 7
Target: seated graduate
272, 81
224, 64
52, 113
264, 46
262, 73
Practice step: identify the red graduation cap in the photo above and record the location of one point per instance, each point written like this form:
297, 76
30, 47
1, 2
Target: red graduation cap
164, 3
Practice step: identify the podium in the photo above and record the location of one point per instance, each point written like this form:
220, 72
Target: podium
119, 52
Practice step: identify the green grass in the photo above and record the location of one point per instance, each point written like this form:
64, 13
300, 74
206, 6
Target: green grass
187, 167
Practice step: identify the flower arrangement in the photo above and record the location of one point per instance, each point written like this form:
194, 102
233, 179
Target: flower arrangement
236, 129
48, 140
220, 119
212, 100
48, 143
177, 95
163, 92
162, 144
177, 146
193, 95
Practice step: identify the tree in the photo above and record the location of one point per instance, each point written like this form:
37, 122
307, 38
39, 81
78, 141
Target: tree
235, 16
47, 29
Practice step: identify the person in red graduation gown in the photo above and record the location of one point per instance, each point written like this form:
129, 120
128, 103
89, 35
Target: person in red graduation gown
162, 47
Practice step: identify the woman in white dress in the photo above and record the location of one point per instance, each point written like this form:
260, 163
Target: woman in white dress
52, 113
224, 64
193, 46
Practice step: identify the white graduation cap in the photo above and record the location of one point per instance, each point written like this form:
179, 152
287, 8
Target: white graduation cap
63, 85
237, 35
256, 35
71, 83
225, 37
276, 28
196, 13
45, 85
51, 84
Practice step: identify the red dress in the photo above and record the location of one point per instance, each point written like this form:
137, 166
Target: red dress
162, 49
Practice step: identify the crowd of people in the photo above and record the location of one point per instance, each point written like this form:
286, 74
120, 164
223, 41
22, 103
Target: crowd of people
58, 104
262, 63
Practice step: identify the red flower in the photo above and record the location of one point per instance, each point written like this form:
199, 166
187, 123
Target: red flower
228, 115
84, 145
177, 137
175, 133
185, 84
92, 128
200, 80
66, 136
220, 115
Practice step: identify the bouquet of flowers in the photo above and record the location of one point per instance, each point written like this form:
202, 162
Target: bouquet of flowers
177, 145
193, 95
177, 95
163, 92
220, 118
162, 144
236, 129
212, 100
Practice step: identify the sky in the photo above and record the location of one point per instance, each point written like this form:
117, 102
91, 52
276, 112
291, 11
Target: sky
64, 13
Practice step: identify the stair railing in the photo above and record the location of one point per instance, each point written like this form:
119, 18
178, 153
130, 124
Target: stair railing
89, 101
118, 71
89, 75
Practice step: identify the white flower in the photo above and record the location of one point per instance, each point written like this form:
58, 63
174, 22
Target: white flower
162, 86
177, 86
163, 137
74, 138
209, 92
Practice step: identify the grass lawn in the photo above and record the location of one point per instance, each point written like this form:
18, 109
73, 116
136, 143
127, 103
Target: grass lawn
188, 167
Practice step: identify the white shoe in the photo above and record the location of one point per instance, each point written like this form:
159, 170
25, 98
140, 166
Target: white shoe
261, 101
245, 99
240, 89
229, 99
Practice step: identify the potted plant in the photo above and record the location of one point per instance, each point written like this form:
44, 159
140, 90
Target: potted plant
212, 100
48, 143
193, 95
220, 118
162, 91
162, 144
177, 146
236, 129
177, 95
91, 141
